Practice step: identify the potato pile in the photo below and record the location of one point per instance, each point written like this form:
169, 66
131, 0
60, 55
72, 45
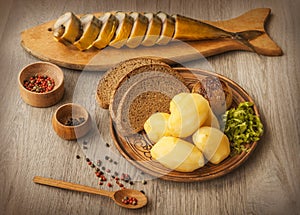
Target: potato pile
190, 118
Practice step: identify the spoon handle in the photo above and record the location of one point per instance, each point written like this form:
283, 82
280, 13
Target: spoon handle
71, 186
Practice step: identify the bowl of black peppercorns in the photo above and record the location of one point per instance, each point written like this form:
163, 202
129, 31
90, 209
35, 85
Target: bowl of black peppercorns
71, 121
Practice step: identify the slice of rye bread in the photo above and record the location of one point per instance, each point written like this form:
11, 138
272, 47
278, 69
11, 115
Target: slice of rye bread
134, 77
110, 80
151, 94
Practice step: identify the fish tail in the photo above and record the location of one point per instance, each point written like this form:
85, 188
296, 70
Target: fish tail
247, 29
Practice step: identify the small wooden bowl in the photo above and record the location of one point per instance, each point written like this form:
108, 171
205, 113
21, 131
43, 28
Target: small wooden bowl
67, 112
42, 99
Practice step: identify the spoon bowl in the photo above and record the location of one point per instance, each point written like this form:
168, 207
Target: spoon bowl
120, 194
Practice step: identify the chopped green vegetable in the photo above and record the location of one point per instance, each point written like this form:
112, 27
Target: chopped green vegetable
242, 126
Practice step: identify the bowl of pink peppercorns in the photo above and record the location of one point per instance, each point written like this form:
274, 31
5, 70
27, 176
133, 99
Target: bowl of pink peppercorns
41, 84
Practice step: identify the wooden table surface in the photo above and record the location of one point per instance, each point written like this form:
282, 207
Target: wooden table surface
268, 183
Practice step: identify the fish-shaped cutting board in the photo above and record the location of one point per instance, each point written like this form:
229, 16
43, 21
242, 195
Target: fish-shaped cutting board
88, 47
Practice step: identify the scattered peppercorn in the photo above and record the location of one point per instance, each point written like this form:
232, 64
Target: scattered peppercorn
125, 177
116, 173
99, 162
77, 156
107, 145
87, 160
115, 162
144, 182
103, 168
93, 165
142, 191
102, 178
110, 160
39, 84
90, 163
131, 182
106, 157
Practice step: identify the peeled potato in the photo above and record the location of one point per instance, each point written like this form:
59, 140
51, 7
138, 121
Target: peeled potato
188, 112
156, 126
177, 154
213, 143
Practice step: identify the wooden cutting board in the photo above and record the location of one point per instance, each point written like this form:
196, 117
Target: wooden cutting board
39, 42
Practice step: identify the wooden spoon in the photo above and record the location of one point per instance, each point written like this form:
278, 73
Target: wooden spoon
117, 196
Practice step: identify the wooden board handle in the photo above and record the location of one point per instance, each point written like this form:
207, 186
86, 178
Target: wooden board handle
253, 20
71, 186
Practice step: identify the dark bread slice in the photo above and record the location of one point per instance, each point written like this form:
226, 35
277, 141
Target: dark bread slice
151, 94
110, 80
134, 77
143, 106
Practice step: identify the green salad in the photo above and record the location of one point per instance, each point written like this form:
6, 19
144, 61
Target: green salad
242, 126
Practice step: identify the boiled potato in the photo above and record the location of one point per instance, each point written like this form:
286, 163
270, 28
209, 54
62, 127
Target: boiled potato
156, 126
213, 143
177, 154
211, 120
188, 112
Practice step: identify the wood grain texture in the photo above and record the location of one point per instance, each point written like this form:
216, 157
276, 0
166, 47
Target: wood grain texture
268, 182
